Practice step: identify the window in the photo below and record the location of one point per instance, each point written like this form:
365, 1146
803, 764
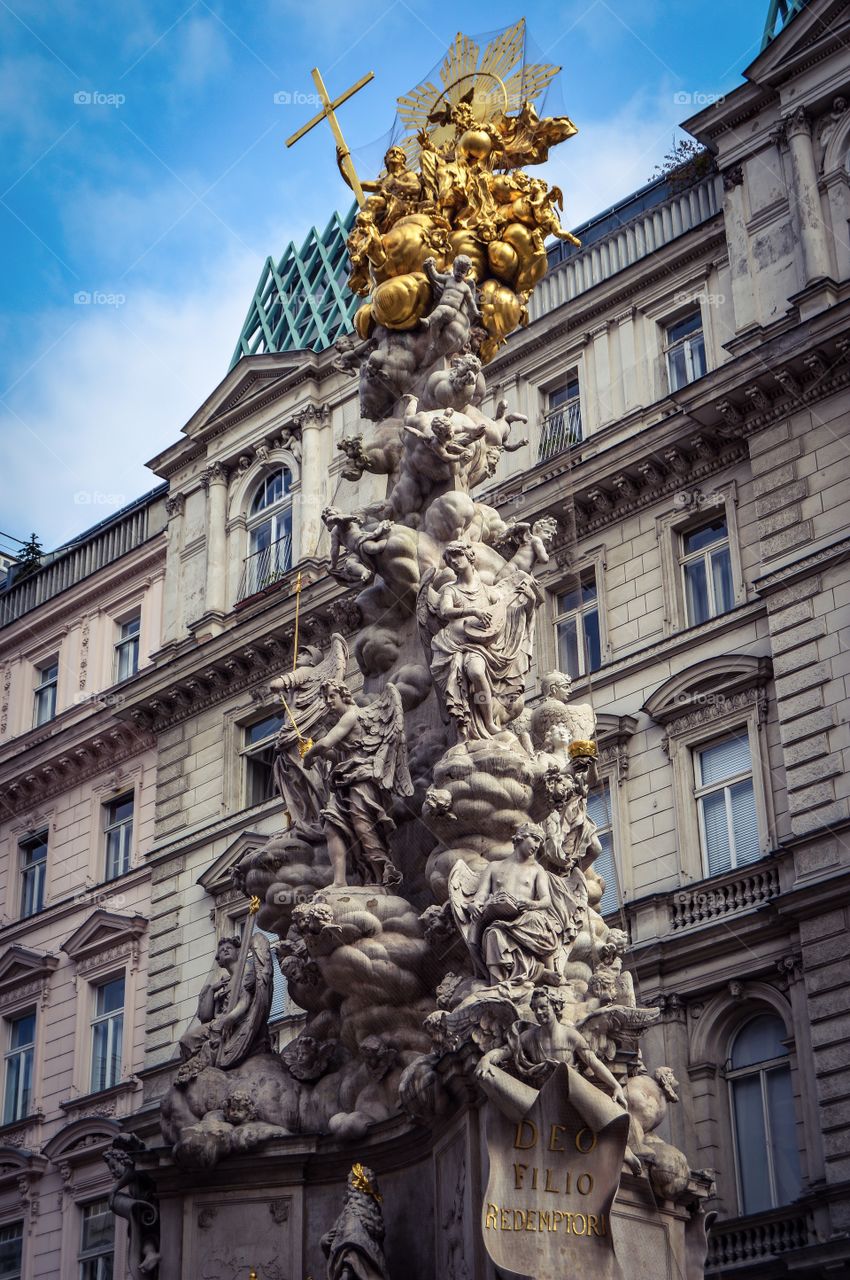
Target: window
728, 824
17, 1089
118, 824
599, 811
259, 756
685, 351
33, 852
762, 1103
127, 648
45, 692
707, 571
269, 533
107, 1033
577, 627
97, 1241
11, 1250
562, 423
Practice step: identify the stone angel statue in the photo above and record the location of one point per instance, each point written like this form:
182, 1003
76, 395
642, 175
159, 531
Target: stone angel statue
556, 708
616, 1027
301, 785
367, 751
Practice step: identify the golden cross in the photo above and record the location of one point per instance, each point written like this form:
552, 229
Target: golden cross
328, 112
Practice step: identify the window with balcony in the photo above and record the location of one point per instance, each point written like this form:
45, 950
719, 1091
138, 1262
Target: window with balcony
269, 533
685, 351
562, 423
118, 829
726, 804
44, 697
33, 855
259, 754
762, 1106
18, 1068
599, 811
127, 648
97, 1241
11, 1250
706, 562
107, 1034
577, 634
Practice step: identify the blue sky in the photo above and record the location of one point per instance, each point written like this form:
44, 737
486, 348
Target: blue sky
144, 165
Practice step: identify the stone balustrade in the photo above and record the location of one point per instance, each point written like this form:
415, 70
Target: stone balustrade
723, 896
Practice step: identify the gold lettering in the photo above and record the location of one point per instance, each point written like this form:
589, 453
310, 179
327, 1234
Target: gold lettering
530, 1220
557, 1219
533, 1179
587, 1179
519, 1141
553, 1136
519, 1213
579, 1218
568, 1218
492, 1212
505, 1221
568, 1188
544, 1219
519, 1174
593, 1225
548, 1180
585, 1141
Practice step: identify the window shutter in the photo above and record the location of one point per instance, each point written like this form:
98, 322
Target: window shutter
717, 852
745, 823
725, 759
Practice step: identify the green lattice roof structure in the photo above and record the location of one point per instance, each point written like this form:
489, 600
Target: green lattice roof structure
779, 14
302, 303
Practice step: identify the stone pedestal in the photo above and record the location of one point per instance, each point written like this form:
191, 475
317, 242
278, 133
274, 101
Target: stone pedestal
270, 1210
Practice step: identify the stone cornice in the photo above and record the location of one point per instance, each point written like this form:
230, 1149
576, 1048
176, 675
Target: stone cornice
803, 567
66, 763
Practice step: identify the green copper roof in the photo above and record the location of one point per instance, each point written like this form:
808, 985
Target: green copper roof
779, 14
303, 303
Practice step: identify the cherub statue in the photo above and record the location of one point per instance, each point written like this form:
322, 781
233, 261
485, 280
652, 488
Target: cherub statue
449, 323
354, 550
354, 1245
369, 768
458, 386
133, 1197
497, 436
350, 353
233, 1011
300, 786
530, 543
556, 707
449, 437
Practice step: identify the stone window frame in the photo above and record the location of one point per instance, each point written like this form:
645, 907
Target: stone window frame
119, 783
693, 509
712, 1026
104, 947
28, 988
241, 491
701, 705
612, 734
556, 579
76, 1152
672, 305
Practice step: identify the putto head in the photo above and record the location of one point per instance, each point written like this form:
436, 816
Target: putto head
330, 690
556, 685
530, 835
459, 550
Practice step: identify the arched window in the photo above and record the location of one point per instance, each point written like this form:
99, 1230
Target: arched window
763, 1116
269, 533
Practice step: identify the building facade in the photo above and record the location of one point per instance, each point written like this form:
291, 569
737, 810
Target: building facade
685, 376
77, 788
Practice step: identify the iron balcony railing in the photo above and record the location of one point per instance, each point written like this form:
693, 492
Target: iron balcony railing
266, 567
561, 430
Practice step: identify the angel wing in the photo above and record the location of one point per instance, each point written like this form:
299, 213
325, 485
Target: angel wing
616, 1026
483, 1018
427, 600
462, 886
384, 743
302, 696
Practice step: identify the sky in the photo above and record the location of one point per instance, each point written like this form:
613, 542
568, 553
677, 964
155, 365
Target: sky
145, 180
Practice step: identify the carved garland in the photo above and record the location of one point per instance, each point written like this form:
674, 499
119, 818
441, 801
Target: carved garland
710, 712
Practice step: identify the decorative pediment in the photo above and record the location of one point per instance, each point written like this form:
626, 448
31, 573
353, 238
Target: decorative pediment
23, 1167
216, 879
23, 970
79, 1142
812, 34
105, 936
709, 690
248, 387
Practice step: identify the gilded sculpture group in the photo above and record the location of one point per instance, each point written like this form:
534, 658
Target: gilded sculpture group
470, 207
